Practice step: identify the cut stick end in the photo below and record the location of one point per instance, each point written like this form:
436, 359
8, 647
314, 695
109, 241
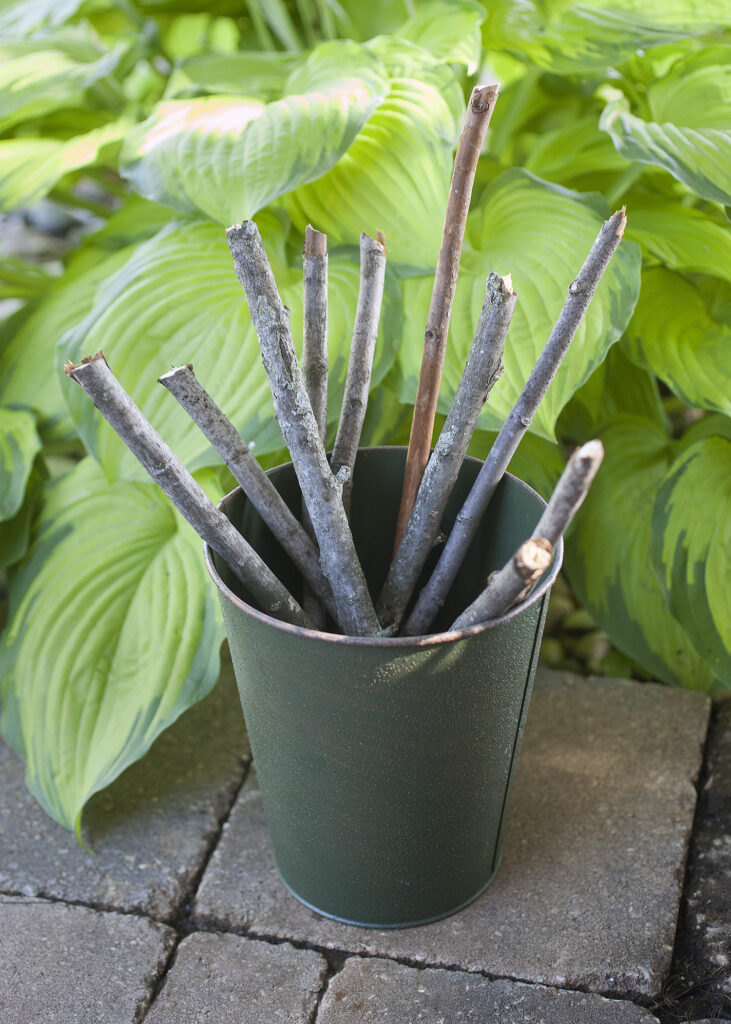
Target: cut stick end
593, 450
483, 98
533, 557
315, 242
70, 368
619, 221
174, 374
375, 245
499, 286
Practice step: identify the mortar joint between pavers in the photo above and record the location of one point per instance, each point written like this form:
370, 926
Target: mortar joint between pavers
160, 980
182, 921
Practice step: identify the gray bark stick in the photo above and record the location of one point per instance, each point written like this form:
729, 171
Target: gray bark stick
509, 584
515, 580
314, 351
580, 293
477, 118
483, 368
360, 363
171, 476
292, 408
570, 491
256, 485
315, 366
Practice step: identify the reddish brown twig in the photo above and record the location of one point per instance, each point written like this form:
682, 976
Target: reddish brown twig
479, 111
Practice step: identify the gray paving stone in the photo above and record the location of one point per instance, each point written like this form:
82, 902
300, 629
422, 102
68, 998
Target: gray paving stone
703, 957
587, 895
72, 965
372, 991
150, 830
222, 978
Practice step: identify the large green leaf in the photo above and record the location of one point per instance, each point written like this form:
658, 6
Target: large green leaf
448, 29
21, 18
251, 73
574, 153
691, 547
114, 631
567, 38
41, 75
395, 176
28, 341
226, 156
541, 234
618, 386
19, 445
682, 238
30, 167
673, 334
688, 131
15, 531
537, 461
608, 556
177, 300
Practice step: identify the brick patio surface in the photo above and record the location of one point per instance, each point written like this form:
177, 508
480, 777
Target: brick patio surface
598, 914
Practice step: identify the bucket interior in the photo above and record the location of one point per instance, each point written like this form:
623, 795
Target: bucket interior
377, 481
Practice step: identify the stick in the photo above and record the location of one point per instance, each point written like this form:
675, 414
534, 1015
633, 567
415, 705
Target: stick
570, 491
580, 293
296, 420
515, 580
360, 364
171, 476
484, 366
314, 352
256, 485
509, 584
315, 367
479, 110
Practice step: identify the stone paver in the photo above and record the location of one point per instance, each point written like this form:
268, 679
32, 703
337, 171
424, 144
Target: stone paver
704, 953
150, 830
222, 978
73, 965
587, 895
372, 991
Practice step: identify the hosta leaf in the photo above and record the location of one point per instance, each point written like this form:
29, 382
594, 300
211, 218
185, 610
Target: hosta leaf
226, 157
567, 38
537, 461
682, 238
19, 445
178, 300
617, 386
252, 73
22, 280
574, 152
395, 176
41, 75
689, 129
15, 531
113, 633
691, 545
541, 234
28, 342
608, 556
674, 335
30, 167
21, 18
450, 31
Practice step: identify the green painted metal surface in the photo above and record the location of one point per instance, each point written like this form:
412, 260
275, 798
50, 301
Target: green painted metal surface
385, 764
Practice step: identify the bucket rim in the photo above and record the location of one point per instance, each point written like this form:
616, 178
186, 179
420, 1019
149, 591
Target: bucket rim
393, 642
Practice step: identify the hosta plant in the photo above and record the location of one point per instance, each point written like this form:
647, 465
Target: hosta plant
158, 122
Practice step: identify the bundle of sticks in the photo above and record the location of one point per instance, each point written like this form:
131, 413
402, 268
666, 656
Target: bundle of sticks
320, 542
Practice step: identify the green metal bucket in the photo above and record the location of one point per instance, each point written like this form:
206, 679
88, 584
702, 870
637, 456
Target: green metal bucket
385, 764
